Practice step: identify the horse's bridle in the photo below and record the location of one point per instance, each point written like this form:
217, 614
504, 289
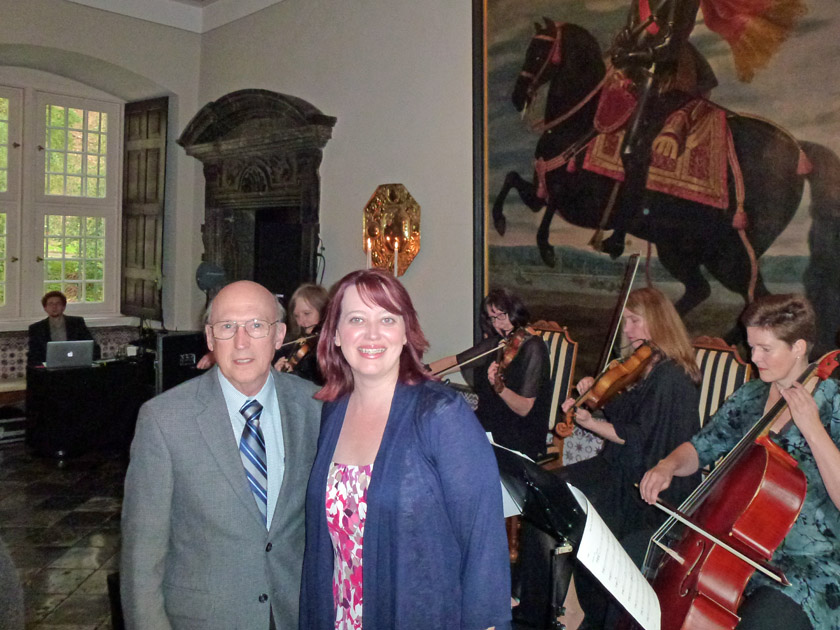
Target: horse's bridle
552, 59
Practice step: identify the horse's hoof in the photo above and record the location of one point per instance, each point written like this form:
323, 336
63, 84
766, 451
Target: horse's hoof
614, 246
547, 254
500, 223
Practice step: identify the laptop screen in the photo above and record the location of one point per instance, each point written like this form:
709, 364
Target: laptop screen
69, 353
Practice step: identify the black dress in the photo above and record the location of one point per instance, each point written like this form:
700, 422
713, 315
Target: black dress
528, 375
652, 418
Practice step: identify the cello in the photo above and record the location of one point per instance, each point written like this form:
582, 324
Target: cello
738, 516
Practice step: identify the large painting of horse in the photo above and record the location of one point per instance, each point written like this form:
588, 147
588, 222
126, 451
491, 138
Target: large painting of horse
785, 128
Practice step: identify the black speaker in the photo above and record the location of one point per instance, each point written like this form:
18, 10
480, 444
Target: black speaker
177, 354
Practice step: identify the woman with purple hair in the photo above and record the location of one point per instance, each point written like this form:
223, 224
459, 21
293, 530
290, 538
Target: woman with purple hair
404, 523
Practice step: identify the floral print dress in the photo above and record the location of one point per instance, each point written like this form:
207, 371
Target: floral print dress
346, 504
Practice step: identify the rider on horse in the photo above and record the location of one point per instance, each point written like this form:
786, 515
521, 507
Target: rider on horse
667, 72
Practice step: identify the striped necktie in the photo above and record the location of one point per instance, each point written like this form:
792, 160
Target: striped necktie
252, 451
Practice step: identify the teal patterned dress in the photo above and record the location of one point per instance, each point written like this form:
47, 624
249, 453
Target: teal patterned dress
810, 554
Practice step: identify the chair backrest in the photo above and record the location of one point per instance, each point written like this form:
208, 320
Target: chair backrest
723, 371
562, 354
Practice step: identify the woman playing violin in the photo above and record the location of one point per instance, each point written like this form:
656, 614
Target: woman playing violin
639, 426
514, 389
780, 331
308, 305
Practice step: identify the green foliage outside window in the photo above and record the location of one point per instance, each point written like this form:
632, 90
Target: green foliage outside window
76, 144
74, 249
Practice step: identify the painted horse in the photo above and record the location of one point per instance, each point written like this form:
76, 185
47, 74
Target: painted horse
688, 235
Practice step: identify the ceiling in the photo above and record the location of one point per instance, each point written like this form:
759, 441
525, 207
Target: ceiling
198, 16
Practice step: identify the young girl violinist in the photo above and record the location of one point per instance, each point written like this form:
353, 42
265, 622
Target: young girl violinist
308, 305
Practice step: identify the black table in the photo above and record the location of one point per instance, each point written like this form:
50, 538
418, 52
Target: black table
71, 411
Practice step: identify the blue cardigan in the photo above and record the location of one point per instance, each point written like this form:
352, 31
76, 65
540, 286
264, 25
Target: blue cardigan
435, 551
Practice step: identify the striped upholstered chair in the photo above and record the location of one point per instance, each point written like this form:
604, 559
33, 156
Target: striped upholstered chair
723, 371
562, 353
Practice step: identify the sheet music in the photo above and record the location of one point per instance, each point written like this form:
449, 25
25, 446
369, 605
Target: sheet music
602, 554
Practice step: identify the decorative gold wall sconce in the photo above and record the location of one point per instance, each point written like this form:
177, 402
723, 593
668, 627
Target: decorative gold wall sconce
391, 229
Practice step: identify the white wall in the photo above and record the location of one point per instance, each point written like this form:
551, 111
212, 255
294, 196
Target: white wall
397, 75
131, 59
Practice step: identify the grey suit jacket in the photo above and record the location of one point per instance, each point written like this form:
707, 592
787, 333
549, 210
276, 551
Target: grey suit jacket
195, 551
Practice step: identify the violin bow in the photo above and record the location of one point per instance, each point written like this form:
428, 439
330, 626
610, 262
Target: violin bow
458, 366
298, 340
629, 276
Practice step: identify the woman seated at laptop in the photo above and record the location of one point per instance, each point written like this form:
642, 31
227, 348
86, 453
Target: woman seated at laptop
56, 327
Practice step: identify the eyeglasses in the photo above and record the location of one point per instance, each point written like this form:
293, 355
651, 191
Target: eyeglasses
496, 318
256, 328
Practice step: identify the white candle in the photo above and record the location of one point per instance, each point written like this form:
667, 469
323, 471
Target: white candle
396, 258
369, 259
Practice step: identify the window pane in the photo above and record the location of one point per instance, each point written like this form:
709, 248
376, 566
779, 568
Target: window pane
77, 143
74, 186
74, 163
94, 270
54, 225
56, 116
55, 248
95, 292
75, 251
55, 185
73, 248
95, 226
71, 291
72, 226
75, 118
4, 132
56, 139
53, 270
71, 270
55, 162
93, 142
74, 142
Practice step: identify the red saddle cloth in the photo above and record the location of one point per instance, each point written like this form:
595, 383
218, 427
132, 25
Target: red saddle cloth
697, 173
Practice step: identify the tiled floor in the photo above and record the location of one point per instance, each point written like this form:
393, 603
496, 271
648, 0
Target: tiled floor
61, 522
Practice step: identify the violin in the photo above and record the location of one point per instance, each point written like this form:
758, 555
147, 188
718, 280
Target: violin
306, 345
616, 377
507, 354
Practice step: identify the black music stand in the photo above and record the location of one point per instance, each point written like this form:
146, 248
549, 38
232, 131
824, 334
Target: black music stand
549, 505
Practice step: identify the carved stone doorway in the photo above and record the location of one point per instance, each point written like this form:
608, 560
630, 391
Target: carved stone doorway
261, 151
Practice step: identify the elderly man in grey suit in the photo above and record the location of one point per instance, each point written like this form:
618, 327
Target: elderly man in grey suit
213, 521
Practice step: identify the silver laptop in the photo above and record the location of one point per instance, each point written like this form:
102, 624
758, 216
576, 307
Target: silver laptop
61, 354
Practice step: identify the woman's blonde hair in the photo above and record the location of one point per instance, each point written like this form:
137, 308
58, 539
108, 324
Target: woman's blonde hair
667, 331
318, 298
